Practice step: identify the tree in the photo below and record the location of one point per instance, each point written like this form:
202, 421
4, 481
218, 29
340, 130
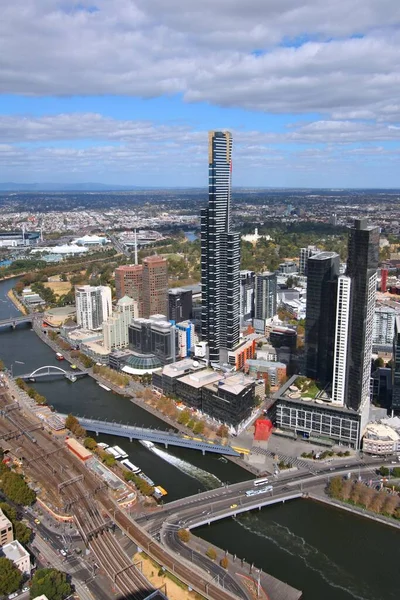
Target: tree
191, 423
384, 471
222, 431
224, 562
199, 427
10, 576
184, 417
184, 535
335, 487
50, 582
22, 532
211, 553
90, 443
16, 489
2, 365
109, 460
71, 422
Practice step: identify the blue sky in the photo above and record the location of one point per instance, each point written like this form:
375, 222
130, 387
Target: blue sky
124, 91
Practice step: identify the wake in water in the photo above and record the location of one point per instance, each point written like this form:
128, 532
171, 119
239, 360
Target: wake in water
314, 559
209, 480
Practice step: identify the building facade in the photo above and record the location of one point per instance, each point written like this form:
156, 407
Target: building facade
384, 320
6, 529
305, 254
115, 328
155, 286
93, 305
323, 271
129, 282
362, 264
247, 286
154, 336
220, 254
265, 296
341, 340
396, 367
180, 304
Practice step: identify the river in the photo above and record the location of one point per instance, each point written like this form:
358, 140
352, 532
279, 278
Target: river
327, 553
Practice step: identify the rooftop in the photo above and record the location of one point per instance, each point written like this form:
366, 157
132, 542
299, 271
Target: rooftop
234, 384
201, 378
177, 369
381, 432
323, 255
14, 551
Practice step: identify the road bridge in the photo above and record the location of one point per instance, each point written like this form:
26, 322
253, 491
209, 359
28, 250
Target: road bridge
132, 432
50, 371
14, 321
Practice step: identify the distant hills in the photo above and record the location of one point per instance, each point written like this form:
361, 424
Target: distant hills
10, 186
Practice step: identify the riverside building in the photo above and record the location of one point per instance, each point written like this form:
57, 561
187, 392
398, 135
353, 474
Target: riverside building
93, 305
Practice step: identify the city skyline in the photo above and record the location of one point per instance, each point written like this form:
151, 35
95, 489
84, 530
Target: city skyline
308, 91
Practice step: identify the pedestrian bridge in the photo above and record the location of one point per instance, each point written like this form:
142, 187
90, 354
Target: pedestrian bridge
50, 371
155, 435
14, 321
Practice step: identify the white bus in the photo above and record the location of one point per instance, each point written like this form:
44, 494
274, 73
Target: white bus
261, 481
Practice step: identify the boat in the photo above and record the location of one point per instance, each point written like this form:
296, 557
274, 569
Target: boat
159, 492
122, 453
146, 479
223, 459
59, 356
127, 463
113, 452
104, 386
147, 444
102, 445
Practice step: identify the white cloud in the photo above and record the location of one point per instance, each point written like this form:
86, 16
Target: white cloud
204, 50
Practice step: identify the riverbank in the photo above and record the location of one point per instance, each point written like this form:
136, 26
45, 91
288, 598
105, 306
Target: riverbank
18, 305
361, 512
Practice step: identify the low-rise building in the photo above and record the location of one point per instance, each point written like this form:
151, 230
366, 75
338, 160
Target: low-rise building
245, 350
380, 439
273, 372
6, 529
15, 552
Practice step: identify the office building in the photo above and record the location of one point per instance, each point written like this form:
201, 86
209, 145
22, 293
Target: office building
323, 271
220, 254
6, 529
247, 286
396, 367
93, 305
155, 286
187, 338
265, 296
383, 331
115, 328
362, 264
341, 339
129, 282
155, 336
283, 337
287, 268
15, 552
179, 304
305, 254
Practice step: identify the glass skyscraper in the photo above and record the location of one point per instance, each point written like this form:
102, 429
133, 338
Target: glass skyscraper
220, 254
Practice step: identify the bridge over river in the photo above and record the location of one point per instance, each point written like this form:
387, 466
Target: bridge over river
155, 435
51, 371
23, 319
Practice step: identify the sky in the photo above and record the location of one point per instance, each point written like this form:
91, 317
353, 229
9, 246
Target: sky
124, 91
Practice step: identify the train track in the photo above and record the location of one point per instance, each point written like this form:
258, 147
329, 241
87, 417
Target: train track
49, 463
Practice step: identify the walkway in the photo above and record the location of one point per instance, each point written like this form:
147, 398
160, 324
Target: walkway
154, 435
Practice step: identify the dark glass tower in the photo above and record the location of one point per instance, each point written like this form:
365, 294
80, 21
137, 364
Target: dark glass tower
396, 367
220, 254
265, 296
322, 274
362, 264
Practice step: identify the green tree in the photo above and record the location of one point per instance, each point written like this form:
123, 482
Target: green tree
379, 362
199, 427
384, 471
90, 443
10, 576
22, 532
16, 489
71, 422
109, 460
184, 417
211, 553
335, 487
191, 423
50, 582
184, 535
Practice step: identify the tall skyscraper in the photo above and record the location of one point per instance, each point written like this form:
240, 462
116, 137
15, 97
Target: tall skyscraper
323, 271
265, 296
396, 367
305, 254
339, 377
362, 264
115, 328
129, 282
93, 305
220, 254
247, 285
155, 286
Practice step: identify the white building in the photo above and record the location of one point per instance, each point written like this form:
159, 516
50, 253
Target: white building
91, 240
384, 319
93, 305
305, 254
19, 556
6, 529
341, 339
115, 328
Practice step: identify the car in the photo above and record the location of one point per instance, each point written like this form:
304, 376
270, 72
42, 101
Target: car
25, 589
37, 521
14, 595
62, 551
233, 505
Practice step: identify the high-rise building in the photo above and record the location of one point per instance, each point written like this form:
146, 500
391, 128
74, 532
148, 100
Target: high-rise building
93, 305
384, 278
179, 304
155, 286
156, 337
115, 328
396, 367
305, 254
383, 332
362, 264
265, 295
323, 271
129, 282
341, 339
220, 254
247, 284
